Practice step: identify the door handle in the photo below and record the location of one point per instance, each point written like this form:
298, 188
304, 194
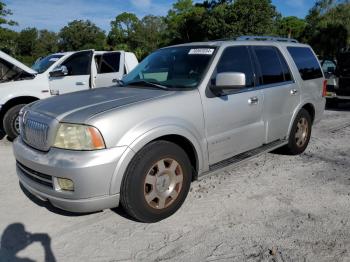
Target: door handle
115, 80
293, 92
253, 100
80, 83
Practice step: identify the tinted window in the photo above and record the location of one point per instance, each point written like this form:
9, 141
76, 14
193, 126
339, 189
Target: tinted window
285, 67
108, 63
306, 62
237, 59
78, 64
270, 65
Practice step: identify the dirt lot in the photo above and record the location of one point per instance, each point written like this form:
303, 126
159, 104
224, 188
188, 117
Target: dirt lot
273, 208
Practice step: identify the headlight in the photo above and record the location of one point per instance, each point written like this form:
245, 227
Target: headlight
78, 137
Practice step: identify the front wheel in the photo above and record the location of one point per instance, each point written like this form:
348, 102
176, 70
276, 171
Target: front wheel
11, 121
157, 182
300, 134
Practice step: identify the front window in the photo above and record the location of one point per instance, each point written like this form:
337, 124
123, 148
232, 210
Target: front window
43, 64
174, 67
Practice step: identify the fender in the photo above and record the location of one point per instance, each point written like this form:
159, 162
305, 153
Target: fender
148, 137
296, 111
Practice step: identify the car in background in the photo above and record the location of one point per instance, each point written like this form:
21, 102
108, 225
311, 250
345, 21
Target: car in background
56, 74
337, 73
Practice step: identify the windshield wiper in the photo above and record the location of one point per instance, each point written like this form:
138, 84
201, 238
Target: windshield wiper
151, 84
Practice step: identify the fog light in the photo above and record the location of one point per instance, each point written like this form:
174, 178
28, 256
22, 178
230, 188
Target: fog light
65, 184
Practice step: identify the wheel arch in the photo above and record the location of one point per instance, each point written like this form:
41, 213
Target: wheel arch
13, 102
179, 136
309, 107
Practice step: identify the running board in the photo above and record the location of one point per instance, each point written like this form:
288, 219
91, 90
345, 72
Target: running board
243, 157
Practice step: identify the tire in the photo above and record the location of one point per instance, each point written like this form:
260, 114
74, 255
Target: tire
150, 190
298, 142
11, 127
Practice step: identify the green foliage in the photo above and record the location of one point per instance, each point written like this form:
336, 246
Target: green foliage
81, 34
328, 27
291, 27
8, 41
4, 12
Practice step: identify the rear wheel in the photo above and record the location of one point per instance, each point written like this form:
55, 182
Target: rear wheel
300, 134
11, 121
157, 182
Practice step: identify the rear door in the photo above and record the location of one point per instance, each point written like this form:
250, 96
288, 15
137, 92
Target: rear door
78, 78
110, 68
234, 119
281, 93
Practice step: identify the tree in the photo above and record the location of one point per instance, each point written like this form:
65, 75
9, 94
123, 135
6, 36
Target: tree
26, 41
81, 34
184, 22
149, 34
47, 43
8, 37
123, 30
291, 27
257, 17
328, 26
4, 12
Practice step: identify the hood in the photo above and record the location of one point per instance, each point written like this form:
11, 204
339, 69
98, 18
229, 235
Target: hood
17, 63
78, 107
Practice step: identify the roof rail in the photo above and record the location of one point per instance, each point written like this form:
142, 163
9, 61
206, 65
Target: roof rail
266, 38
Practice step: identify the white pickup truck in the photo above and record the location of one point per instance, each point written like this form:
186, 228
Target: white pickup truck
54, 75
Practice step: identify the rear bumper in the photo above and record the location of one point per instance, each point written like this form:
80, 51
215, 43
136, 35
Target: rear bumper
91, 173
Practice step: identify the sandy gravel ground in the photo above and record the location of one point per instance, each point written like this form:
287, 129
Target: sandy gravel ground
272, 208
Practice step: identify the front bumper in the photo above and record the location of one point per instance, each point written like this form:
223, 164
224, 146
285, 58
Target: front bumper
91, 172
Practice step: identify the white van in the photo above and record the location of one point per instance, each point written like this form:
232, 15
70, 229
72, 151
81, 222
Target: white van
54, 75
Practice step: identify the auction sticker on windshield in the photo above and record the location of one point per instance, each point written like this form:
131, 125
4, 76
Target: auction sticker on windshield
201, 51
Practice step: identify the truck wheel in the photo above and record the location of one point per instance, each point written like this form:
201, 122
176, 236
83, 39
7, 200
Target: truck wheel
157, 182
300, 134
11, 121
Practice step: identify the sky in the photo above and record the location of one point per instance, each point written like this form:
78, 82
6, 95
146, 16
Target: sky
54, 14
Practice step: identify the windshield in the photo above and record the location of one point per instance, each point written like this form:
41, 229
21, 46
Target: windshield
174, 67
43, 64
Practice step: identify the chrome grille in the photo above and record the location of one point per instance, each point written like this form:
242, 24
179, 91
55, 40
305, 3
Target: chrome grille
35, 134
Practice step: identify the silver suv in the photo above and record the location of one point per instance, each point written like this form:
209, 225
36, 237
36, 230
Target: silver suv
183, 112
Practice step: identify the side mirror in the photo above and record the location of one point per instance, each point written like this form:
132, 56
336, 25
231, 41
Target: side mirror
59, 71
227, 81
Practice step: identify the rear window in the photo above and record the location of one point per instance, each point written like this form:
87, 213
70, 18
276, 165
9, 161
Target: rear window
306, 62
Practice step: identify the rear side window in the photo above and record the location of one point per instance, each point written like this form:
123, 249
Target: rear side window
306, 62
273, 67
237, 59
108, 63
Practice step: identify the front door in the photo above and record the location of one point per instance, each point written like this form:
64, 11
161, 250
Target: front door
234, 119
78, 77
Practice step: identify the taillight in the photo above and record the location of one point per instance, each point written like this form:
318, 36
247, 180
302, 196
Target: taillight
324, 88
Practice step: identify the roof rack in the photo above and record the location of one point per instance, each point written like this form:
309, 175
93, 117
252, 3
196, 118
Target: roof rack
266, 38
